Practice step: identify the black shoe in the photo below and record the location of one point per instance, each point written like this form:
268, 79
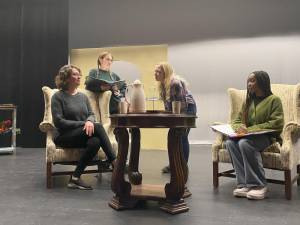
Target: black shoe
166, 169
78, 184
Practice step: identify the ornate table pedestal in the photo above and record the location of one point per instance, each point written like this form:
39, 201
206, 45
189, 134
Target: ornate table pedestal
127, 194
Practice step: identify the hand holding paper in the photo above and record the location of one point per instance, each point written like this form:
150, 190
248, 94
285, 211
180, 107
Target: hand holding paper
242, 130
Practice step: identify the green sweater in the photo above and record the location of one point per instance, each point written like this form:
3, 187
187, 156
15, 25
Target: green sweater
108, 76
266, 114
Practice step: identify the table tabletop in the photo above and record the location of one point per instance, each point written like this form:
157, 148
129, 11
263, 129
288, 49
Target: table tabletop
153, 119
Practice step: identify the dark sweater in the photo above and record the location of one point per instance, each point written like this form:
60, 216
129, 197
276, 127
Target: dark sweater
70, 111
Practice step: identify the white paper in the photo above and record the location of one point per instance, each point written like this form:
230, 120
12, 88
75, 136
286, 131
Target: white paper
227, 130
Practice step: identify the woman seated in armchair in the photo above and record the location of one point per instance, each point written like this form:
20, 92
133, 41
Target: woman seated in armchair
75, 123
261, 111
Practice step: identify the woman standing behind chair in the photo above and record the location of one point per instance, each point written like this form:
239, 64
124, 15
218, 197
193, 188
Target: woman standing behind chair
75, 123
261, 111
173, 88
103, 72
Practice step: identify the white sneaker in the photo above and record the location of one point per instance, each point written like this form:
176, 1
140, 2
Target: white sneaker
241, 192
257, 193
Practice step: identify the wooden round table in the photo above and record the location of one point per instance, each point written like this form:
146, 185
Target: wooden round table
127, 194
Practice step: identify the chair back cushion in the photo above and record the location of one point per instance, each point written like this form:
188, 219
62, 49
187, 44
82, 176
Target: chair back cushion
237, 97
48, 93
289, 95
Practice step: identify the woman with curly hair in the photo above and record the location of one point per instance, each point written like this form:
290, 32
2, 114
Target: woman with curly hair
75, 123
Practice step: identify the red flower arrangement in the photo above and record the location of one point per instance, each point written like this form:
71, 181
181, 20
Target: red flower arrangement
5, 125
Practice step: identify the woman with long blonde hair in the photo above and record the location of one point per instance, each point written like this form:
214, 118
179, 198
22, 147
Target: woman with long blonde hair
174, 88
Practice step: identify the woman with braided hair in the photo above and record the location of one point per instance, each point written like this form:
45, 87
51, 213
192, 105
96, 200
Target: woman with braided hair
261, 111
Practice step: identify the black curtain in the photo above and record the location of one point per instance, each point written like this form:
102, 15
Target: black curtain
34, 45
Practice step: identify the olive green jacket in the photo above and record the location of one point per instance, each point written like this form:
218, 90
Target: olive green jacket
266, 115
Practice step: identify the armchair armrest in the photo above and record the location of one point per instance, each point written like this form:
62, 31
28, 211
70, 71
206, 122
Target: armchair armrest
218, 143
288, 151
106, 127
46, 126
50, 147
292, 130
219, 137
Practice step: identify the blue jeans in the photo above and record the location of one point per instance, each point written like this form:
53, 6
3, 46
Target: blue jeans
192, 110
246, 158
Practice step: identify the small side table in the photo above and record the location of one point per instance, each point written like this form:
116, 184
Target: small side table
13, 109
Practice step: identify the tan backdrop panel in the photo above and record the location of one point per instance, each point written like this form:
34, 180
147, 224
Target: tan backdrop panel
145, 58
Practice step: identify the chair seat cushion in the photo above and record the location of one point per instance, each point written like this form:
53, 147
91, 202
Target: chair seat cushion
270, 156
72, 154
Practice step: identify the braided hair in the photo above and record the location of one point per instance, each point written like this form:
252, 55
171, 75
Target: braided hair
263, 82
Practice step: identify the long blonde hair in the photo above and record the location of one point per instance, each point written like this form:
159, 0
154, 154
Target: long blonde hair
165, 85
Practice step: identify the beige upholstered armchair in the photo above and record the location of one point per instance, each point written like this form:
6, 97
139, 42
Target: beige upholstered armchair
58, 155
283, 157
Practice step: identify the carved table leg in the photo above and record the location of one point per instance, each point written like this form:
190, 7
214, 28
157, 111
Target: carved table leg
119, 186
179, 173
134, 175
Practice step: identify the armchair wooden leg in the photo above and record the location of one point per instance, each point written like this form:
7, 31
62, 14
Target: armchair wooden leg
215, 174
49, 174
298, 173
288, 184
100, 171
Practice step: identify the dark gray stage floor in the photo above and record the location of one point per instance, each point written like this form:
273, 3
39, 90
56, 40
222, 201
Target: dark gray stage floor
25, 200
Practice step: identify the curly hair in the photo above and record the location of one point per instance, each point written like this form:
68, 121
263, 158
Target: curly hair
61, 79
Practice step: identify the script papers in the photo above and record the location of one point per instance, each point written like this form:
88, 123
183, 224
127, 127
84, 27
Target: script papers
227, 130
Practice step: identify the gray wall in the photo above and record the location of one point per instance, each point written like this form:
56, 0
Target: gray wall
213, 66
214, 44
